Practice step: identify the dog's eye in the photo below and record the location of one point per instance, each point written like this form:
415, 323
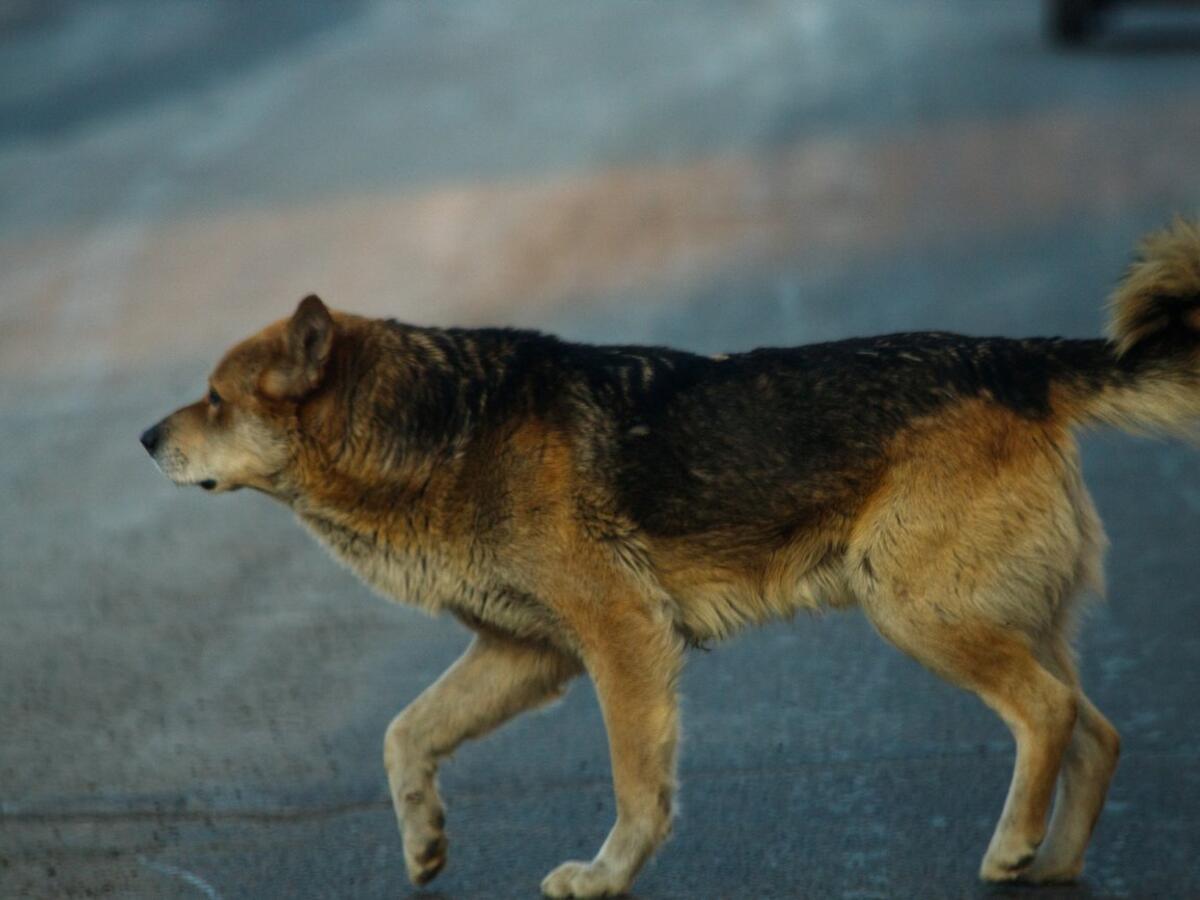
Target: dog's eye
214, 399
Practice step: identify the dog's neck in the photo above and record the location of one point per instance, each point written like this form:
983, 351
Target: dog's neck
383, 436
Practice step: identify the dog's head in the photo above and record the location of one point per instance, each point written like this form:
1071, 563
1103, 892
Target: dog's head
243, 433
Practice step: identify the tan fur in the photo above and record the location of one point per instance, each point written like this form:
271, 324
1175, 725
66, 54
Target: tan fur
494, 680
967, 539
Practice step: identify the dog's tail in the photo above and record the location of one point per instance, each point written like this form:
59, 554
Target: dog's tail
1148, 376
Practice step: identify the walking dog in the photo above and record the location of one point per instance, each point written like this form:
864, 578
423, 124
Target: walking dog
599, 508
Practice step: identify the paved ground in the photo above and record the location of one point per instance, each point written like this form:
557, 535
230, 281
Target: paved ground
193, 696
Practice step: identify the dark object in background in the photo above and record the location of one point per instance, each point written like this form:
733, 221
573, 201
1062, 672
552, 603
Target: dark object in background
1073, 21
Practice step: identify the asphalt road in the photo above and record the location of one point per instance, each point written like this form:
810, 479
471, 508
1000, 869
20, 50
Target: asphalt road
192, 696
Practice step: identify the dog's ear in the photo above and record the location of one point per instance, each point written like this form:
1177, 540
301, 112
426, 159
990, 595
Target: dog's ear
308, 341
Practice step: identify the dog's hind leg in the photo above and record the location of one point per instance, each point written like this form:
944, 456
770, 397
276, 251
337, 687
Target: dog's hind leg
494, 680
978, 540
998, 664
1088, 767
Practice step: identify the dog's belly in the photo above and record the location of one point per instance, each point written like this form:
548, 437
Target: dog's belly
719, 605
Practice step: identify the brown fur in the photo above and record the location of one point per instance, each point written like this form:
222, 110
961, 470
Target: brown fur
596, 509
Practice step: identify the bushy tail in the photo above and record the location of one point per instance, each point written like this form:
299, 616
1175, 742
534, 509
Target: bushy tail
1157, 305
1153, 384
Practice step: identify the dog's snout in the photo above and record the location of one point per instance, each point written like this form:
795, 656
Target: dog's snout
151, 437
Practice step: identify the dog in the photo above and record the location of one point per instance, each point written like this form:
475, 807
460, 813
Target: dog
599, 509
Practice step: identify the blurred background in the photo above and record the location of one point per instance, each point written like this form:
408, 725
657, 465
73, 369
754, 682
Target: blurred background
193, 697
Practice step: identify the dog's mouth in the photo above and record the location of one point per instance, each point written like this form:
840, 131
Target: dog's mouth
174, 465
172, 462
213, 486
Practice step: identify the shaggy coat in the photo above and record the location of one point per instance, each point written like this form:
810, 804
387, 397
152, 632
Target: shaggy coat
597, 509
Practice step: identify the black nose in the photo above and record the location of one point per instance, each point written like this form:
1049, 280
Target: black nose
150, 438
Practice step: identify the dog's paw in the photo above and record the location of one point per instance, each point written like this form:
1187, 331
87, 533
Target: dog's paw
581, 879
1008, 861
425, 848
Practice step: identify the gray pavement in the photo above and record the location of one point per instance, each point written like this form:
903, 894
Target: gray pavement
192, 696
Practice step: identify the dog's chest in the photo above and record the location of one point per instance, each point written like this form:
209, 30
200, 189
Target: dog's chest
432, 577
411, 571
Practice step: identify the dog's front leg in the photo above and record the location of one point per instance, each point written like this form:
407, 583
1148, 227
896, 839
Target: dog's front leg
634, 659
494, 680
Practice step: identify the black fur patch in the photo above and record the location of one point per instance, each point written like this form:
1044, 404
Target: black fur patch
772, 438
786, 436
